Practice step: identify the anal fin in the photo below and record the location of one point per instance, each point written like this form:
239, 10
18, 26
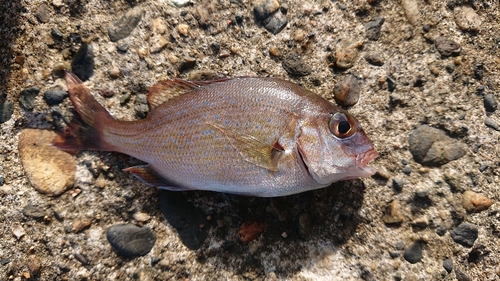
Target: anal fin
151, 178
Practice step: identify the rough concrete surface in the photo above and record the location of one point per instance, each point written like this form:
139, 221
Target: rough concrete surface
343, 232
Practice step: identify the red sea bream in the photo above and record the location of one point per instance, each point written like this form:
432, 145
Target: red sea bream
253, 136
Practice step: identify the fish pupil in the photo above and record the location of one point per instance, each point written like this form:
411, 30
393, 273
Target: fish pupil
344, 127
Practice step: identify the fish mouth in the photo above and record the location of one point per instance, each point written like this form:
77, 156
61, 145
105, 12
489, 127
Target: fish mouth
365, 157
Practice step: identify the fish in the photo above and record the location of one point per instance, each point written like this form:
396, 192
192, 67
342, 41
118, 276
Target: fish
254, 136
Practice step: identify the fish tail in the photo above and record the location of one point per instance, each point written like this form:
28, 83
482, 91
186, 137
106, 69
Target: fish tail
86, 129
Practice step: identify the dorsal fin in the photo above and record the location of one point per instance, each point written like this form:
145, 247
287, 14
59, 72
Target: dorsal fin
168, 89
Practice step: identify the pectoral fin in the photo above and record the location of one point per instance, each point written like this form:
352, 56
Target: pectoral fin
151, 178
253, 150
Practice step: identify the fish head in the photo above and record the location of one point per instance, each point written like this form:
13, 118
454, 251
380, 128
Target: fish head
333, 146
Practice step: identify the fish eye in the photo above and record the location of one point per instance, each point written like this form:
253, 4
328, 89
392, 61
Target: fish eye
341, 125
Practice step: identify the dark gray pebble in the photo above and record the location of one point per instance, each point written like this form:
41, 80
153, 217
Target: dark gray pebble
346, 92
441, 230
2, 180
374, 59
56, 33
447, 47
264, 8
141, 106
28, 96
82, 64
394, 254
432, 147
413, 254
130, 240
479, 71
125, 25
397, 184
490, 103
81, 258
465, 234
372, 28
448, 265
4, 261
6, 111
43, 13
391, 84
33, 212
295, 66
400, 245
275, 23
55, 96
491, 123
407, 170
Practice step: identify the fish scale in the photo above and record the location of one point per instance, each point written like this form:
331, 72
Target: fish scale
248, 135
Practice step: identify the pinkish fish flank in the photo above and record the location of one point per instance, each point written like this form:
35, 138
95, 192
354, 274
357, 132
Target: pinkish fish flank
253, 136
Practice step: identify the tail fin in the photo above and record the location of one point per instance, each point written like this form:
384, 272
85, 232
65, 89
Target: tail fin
85, 131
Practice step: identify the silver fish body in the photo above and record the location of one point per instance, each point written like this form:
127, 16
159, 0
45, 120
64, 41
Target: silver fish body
253, 136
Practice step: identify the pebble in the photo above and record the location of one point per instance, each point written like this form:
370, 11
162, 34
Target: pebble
56, 33
33, 212
465, 234
474, 202
448, 265
391, 84
295, 66
467, 19
275, 23
187, 64
454, 179
82, 64
479, 71
346, 55
264, 8
489, 122
58, 69
490, 103
413, 254
432, 147
125, 98
462, 275
27, 97
420, 222
159, 26
130, 240
374, 58
178, 3
347, 91
55, 96
407, 170
141, 106
6, 111
202, 75
123, 27
80, 225
183, 29
43, 13
51, 171
141, 217
372, 28
34, 265
158, 43
412, 11
250, 230
18, 231
441, 230
123, 47
447, 47
393, 214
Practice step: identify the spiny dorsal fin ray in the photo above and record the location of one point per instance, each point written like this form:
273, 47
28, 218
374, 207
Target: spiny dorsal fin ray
168, 89
264, 155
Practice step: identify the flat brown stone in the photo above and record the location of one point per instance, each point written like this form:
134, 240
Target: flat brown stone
51, 171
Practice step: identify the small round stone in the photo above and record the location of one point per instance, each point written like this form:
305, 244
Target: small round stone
130, 240
347, 91
448, 265
465, 234
490, 103
55, 96
413, 254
